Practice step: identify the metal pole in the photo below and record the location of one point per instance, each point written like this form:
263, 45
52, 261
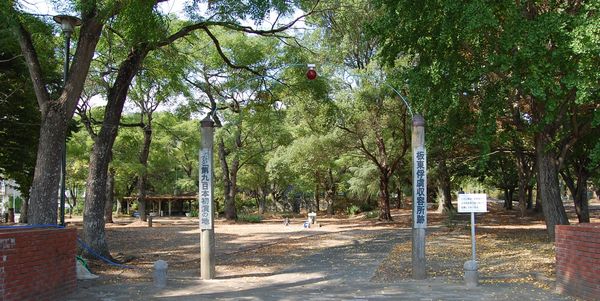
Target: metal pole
473, 236
419, 270
63, 162
206, 216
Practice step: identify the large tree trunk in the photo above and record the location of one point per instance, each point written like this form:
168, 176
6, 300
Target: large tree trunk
43, 208
55, 113
110, 194
330, 193
554, 211
384, 197
262, 199
445, 187
93, 213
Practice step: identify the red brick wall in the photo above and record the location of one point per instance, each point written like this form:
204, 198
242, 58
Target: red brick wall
37, 264
578, 260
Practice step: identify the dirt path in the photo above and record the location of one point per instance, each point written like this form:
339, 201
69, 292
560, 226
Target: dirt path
347, 259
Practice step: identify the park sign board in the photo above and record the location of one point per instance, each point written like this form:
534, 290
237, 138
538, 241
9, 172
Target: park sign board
472, 202
205, 198
419, 187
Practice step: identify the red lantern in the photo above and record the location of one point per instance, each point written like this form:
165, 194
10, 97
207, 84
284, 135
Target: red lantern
311, 74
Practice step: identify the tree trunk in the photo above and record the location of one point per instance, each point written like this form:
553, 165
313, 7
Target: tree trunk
230, 212
529, 197
43, 208
330, 193
446, 187
317, 195
579, 192
554, 211
93, 213
262, 199
538, 198
581, 201
384, 198
399, 203
110, 194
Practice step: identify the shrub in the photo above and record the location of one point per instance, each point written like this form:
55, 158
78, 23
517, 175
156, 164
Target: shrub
353, 210
249, 218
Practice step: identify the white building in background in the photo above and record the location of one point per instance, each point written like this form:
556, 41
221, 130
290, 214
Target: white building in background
8, 194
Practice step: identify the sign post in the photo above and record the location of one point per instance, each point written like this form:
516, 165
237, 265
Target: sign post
419, 270
472, 203
205, 200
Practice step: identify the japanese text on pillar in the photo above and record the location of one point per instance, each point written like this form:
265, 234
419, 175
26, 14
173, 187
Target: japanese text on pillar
205, 190
420, 188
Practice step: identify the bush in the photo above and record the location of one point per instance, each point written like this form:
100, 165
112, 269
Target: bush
353, 210
249, 218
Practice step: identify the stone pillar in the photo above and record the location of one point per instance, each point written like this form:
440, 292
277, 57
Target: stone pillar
419, 269
205, 195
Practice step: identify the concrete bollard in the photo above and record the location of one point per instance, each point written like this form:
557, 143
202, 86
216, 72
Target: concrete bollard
149, 219
471, 274
160, 273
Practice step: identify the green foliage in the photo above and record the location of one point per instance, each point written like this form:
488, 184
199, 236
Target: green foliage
353, 210
249, 218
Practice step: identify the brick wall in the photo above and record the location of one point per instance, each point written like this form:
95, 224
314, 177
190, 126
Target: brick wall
578, 260
37, 264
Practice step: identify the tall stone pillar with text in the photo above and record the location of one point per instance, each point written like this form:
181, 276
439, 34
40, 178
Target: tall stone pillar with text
205, 200
419, 269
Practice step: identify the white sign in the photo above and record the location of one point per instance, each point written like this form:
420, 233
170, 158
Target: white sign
419, 188
205, 197
474, 202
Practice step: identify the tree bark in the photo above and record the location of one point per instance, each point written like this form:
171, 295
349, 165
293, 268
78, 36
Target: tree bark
578, 189
110, 194
43, 208
554, 211
93, 213
262, 199
55, 113
399, 202
529, 197
384, 198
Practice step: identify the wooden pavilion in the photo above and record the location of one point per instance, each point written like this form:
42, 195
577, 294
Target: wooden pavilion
175, 204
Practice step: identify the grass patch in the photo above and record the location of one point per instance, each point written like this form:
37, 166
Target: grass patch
249, 218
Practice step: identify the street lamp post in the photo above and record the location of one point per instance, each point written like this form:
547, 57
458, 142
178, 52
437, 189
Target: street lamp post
68, 24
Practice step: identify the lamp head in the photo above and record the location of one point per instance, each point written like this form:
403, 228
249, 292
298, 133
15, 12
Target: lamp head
67, 23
